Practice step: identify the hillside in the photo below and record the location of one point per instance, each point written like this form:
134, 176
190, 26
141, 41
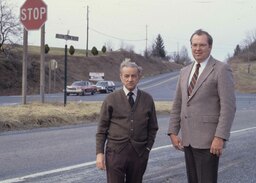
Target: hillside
244, 74
78, 68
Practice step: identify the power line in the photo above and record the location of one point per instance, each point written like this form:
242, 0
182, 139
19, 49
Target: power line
121, 39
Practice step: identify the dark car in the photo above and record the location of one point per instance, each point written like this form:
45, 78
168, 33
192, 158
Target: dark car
105, 86
81, 88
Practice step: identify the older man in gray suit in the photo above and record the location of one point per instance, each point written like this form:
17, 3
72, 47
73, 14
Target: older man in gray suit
203, 109
127, 129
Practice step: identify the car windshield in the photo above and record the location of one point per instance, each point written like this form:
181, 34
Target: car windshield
77, 84
101, 83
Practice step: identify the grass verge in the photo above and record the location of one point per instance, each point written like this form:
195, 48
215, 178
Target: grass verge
35, 115
244, 76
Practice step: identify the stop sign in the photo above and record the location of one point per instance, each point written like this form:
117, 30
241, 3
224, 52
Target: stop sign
33, 14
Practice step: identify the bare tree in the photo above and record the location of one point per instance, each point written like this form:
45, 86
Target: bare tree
10, 29
181, 57
129, 47
249, 49
109, 46
250, 38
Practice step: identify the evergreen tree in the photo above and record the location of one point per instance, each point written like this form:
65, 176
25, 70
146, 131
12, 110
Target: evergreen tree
46, 48
94, 51
158, 49
237, 51
71, 50
104, 49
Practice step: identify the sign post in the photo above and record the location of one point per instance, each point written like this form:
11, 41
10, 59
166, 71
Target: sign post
33, 15
72, 38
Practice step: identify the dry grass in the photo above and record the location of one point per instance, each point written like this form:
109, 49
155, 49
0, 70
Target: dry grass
36, 115
244, 76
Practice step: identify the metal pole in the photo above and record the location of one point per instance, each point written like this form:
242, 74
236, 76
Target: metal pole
54, 79
50, 76
87, 35
42, 64
146, 51
65, 76
24, 66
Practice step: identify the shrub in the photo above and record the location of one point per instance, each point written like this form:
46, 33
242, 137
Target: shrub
71, 50
46, 49
94, 51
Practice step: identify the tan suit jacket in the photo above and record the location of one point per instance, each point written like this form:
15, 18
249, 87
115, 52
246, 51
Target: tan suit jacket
210, 109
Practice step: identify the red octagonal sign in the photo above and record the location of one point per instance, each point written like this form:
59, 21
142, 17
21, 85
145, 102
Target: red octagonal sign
33, 14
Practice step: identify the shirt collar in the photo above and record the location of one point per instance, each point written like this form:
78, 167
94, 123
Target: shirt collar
204, 63
126, 91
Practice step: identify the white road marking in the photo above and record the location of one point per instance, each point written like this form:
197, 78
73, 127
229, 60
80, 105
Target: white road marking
20, 179
242, 130
173, 78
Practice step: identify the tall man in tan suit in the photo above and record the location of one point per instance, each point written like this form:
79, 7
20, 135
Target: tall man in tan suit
203, 109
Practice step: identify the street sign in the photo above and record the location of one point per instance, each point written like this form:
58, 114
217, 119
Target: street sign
72, 38
67, 37
96, 76
53, 64
33, 14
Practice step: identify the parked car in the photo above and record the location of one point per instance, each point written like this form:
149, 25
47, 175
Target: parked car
105, 86
81, 88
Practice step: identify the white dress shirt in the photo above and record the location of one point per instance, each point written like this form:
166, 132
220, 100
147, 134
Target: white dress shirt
201, 69
135, 91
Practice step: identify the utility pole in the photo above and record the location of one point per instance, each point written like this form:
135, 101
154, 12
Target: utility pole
24, 66
146, 50
50, 76
87, 33
42, 64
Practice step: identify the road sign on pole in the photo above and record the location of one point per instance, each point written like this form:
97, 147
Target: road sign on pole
72, 38
33, 14
67, 37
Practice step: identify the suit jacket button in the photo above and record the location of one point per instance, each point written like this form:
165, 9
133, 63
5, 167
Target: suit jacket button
188, 105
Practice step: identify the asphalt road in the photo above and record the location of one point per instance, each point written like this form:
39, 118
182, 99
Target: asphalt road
161, 87
67, 154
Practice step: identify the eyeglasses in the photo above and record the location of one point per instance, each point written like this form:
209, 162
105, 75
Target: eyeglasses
198, 45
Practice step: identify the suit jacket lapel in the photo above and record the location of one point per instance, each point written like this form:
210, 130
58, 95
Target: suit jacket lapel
185, 77
207, 70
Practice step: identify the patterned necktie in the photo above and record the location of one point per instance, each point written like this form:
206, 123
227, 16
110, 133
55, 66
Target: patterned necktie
193, 80
130, 98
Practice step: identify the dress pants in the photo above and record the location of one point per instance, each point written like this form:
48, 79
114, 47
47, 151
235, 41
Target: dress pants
201, 165
125, 166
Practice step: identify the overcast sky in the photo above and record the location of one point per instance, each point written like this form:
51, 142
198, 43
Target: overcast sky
123, 22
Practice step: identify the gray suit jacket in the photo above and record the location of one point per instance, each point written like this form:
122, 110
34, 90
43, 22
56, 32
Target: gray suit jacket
210, 109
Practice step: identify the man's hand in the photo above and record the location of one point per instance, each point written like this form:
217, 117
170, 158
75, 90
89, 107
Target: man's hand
100, 161
176, 141
217, 146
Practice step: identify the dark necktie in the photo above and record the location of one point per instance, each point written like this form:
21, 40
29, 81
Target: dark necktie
130, 98
193, 80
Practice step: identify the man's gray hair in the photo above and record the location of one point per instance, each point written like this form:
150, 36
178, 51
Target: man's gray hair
128, 63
